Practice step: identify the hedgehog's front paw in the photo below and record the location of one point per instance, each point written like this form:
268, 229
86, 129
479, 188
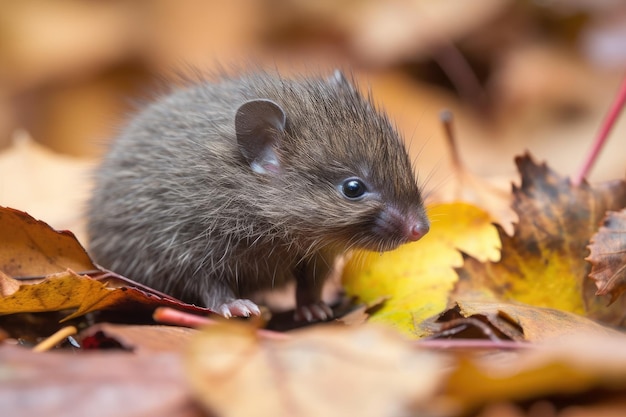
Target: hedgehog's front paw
238, 308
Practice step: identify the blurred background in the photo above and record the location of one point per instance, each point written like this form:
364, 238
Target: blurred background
517, 75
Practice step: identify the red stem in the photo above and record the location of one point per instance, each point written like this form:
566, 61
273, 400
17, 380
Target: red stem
605, 129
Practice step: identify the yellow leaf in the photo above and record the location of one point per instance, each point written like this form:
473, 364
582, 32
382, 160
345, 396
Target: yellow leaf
68, 290
543, 262
574, 364
418, 277
62, 291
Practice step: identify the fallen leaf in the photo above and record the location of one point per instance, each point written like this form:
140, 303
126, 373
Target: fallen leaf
543, 262
8, 285
63, 291
572, 365
608, 256
95, 385
68, 290
143, 339
362, 313
320, 371
30, 247
509, 321
44, 180
418, 277
82, 38
380, 33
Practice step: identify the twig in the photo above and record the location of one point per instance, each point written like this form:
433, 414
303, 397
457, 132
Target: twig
447, 120
55, 339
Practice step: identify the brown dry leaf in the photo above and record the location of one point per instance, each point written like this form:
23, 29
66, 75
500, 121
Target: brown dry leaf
203, 34
30, 247
45, 184
543, 263
574, 365
144, 339
95, 385
609, 407
363, 312
321, 371
380, 32
509, 321
608, 256
45, 41
394, 31
550, 100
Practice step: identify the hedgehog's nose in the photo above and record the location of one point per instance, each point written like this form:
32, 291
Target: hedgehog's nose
417, 230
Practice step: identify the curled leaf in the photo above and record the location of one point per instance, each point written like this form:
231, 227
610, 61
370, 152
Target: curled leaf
70, 291
30, 247
608, 256
509, 321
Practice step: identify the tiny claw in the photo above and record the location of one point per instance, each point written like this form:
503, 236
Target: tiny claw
224, 311
239, 308
313, 312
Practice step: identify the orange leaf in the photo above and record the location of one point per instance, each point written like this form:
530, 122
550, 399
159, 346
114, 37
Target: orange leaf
68, 290
62, 291
140, 338
30, 247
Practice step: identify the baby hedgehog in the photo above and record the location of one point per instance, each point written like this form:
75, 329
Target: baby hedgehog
220, 190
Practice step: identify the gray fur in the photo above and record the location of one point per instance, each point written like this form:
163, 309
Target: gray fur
177, 206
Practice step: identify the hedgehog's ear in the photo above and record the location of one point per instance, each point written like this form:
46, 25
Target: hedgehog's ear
259, 125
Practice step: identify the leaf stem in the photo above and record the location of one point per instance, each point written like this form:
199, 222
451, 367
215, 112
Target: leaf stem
605, 129
447, 120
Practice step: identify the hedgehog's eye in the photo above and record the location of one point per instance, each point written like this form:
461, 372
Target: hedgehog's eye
353, 188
